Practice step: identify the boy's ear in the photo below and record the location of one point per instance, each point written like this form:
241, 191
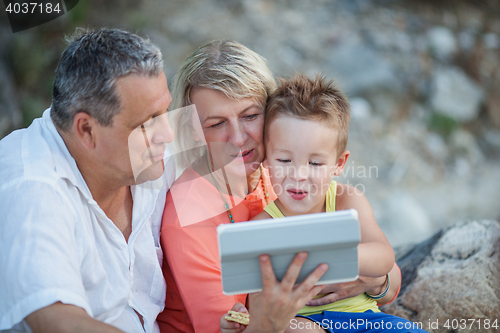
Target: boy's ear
85, 129
341, 162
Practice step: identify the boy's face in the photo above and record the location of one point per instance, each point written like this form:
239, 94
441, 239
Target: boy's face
302, 160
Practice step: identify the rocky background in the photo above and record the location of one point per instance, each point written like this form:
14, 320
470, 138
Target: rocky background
450, 282
423, 78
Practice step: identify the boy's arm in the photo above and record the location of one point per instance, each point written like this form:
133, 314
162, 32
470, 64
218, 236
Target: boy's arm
374, 286
376, 256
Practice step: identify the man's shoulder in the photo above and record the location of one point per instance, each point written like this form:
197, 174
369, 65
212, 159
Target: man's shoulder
28, 154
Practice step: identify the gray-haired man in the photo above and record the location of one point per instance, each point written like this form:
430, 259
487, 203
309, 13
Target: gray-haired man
79, 240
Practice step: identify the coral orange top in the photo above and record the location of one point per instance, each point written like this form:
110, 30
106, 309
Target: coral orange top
193, 210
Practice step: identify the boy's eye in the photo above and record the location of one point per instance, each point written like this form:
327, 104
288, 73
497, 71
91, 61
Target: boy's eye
281, 160
315, 163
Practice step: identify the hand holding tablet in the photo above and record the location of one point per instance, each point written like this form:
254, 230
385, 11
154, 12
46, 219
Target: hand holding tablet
330, 238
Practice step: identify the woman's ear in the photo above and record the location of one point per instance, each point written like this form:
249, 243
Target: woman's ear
85, 129
341, 162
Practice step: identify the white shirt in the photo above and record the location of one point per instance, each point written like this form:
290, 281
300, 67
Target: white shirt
57, 245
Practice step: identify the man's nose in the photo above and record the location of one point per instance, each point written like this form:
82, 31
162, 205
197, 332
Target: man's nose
162, 132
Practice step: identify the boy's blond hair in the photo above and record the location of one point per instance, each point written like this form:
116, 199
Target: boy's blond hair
308, 99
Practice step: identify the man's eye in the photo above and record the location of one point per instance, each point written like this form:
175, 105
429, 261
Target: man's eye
149, 123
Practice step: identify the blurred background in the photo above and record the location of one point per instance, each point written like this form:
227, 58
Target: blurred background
423, 78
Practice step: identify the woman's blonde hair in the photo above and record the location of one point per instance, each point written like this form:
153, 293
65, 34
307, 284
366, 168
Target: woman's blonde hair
226, 66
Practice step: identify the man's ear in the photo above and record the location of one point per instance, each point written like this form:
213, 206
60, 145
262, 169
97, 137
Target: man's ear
341, 162
85, 129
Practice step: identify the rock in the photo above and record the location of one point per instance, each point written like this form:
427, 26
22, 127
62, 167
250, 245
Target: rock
453, 275
436, 146
455, 95
491, 41
442, 42
360, 68
463, 145
10, 112
360, 108
466, 40
493, 107
402, 209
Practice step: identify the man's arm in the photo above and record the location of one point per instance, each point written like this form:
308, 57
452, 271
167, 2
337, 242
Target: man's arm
61, 318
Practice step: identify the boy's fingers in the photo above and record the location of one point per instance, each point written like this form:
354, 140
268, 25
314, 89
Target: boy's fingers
267, 272
293, 271
238, 307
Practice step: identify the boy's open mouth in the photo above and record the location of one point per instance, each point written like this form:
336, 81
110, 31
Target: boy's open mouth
297, 194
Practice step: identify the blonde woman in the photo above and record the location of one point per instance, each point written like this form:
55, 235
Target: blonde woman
223, 182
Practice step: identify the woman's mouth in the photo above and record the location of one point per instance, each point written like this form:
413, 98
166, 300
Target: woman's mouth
245, 155
297, 194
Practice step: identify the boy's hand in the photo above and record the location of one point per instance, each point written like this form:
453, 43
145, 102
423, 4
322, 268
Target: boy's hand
374, 286
338, 291
229, 326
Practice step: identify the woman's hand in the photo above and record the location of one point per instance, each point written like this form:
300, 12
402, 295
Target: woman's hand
272, 309
374, 286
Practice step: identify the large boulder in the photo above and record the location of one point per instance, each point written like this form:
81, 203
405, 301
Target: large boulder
456, 95
451, 282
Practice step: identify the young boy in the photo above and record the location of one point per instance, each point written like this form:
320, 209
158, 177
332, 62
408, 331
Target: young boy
305, 132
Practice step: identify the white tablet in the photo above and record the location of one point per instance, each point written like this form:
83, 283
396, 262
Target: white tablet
330, 238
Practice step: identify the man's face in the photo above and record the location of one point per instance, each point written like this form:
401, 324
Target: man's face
134, 145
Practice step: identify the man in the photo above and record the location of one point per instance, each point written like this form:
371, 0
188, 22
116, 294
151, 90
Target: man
79, 239
79, 229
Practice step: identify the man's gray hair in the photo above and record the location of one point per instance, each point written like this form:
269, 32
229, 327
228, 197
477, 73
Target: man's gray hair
87, 72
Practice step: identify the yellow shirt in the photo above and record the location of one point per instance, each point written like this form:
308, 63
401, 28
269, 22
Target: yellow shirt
360, 303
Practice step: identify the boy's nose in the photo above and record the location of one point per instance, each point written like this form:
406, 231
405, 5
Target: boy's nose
299, 173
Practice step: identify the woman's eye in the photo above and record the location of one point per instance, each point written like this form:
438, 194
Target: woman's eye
216, 125
283, 160
251, 116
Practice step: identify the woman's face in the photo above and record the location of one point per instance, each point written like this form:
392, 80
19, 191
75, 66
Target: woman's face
232, 129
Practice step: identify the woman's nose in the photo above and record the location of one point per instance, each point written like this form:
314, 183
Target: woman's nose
238, 134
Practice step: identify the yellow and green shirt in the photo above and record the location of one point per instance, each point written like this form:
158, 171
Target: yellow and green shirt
360, 303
